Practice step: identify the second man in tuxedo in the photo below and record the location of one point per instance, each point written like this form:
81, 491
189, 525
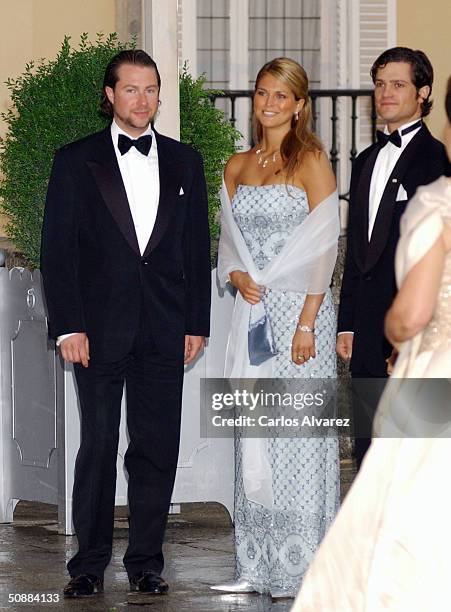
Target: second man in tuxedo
384, 177
126, 268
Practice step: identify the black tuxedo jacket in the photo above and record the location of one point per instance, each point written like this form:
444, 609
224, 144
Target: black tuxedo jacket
95, 278
369, 285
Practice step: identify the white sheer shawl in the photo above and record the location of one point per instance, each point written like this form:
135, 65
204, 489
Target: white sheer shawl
305, 264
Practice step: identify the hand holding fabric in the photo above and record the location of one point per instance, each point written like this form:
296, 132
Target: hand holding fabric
248, 288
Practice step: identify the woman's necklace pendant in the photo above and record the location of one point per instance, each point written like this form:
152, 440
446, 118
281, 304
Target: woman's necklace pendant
264, 161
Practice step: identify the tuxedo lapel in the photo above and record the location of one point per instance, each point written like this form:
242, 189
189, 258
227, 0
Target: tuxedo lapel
170, 173
360, 228
106, 173
384, 215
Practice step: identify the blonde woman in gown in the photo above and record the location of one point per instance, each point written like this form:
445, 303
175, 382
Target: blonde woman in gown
279, 231
390, 545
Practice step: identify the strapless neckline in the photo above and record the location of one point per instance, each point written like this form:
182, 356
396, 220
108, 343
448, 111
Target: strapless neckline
270, 185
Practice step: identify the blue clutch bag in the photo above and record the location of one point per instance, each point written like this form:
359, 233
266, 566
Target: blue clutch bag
260, 338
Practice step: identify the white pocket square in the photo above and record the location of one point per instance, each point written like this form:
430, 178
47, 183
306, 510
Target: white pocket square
181, 192
402, 194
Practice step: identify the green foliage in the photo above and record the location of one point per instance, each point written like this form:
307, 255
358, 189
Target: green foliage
206, 129
57, 101
53, 103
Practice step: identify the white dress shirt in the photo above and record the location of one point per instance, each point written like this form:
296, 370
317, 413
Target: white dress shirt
385, 162
142, 184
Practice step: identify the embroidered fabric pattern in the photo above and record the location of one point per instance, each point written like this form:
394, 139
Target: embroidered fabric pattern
274, 547
438, 331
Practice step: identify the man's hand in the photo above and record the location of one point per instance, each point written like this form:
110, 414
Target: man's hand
193, 346
344, 345
75, 349
248, 288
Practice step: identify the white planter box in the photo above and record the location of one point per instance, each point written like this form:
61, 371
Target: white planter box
39, 418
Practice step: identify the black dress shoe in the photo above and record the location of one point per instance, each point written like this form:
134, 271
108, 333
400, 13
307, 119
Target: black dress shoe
84, 585
148, 582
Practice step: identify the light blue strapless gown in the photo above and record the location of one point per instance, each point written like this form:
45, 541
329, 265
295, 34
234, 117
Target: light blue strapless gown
274, 547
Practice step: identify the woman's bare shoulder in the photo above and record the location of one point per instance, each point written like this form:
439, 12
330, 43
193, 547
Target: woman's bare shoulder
233, 169
235, 164
315, 160
315, 173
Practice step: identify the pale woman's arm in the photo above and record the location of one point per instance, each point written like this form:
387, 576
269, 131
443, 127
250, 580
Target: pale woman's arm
415, 302
318, 180
240, 279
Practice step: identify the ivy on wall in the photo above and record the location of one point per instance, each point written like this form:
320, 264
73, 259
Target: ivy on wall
206, 129
53, 103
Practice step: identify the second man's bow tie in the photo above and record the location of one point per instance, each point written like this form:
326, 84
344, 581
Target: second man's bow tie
143, 144
395, 137
383, 138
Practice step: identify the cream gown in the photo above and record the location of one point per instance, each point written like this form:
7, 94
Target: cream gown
389, 547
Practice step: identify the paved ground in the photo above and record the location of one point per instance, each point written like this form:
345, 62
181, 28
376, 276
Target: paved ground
198, 551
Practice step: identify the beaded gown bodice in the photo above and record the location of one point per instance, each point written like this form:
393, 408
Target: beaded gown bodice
425, 223
437, 333
267, 215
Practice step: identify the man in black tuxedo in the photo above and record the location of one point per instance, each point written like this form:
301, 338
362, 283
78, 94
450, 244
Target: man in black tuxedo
384, 177
126, 268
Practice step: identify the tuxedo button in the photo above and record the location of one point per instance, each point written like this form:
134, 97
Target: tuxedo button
145, 262
368, 277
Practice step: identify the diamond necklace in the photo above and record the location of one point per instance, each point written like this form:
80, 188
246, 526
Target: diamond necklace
264, 161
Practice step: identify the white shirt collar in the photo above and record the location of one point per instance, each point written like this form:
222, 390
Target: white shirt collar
404, 126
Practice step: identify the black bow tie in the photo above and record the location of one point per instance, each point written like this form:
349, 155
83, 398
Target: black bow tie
383, 138
143, 144
395, 137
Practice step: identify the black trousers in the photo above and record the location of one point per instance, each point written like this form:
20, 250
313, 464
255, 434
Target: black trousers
366, 393
154, 394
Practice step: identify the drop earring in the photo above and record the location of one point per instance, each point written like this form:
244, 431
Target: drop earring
296, 116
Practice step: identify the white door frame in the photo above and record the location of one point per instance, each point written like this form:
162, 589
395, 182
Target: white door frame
160, 40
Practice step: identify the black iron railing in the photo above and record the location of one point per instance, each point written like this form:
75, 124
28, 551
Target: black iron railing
317, 94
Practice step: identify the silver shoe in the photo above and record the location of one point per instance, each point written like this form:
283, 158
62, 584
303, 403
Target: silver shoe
240, 586
280, 594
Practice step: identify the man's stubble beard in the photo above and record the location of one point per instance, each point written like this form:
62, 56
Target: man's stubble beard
129, 122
